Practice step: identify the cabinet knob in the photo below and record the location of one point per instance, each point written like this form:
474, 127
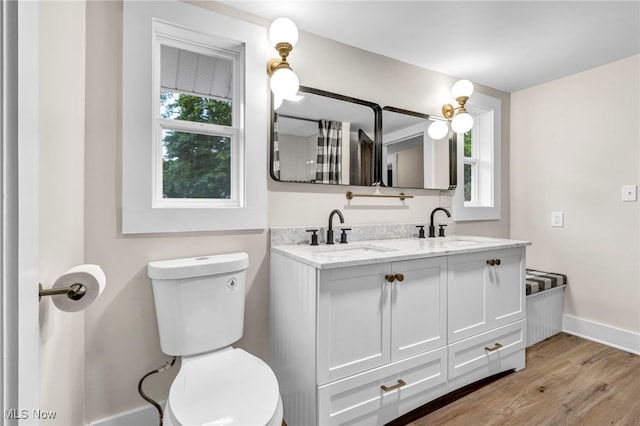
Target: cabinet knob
390, 278
497, 261
400, 277
491, 262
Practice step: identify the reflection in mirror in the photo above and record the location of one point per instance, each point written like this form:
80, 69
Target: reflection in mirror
411, 159
323, 137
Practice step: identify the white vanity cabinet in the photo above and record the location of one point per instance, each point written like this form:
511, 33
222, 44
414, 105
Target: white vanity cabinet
367, 343
371, 315
486, 313
486, 290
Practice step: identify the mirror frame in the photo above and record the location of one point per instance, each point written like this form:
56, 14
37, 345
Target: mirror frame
377, 131
453, 147
378, 128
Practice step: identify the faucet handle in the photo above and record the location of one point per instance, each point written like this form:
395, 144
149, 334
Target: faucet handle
314, 236
343, 235
421, 232
441, 231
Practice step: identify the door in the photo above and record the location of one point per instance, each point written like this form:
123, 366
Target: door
507, 297
353, 321
468, 290
418, 307
19, 230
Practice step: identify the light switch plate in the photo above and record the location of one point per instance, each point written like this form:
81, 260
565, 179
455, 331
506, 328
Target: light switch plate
557, 219
629, 193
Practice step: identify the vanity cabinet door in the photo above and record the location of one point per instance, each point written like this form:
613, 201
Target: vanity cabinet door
353, 321
485, 290
507, 279
468, 290
418, 307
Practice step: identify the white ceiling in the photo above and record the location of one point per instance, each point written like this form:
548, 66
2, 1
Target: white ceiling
507, 45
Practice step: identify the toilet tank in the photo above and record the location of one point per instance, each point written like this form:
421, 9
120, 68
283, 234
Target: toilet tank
199, 302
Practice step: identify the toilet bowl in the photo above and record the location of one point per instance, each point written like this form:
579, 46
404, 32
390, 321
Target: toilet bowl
227, 387
200, 313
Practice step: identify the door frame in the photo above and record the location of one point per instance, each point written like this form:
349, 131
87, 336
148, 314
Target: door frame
19, 175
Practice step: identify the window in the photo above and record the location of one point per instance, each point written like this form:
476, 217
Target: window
470, 161
478, 198
198, 134
194, 120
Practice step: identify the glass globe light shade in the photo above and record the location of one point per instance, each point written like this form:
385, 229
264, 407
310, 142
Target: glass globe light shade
284, 83
283, 30
438, 130
462, 122
462, 88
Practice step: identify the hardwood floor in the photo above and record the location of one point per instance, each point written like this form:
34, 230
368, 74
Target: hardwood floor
567, 381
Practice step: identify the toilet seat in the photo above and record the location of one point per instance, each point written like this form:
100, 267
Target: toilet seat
230, 387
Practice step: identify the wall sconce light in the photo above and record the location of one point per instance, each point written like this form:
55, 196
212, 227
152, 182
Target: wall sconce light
283, 35
461, 120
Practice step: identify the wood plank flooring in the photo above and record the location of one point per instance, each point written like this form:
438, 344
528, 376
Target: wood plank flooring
567, 381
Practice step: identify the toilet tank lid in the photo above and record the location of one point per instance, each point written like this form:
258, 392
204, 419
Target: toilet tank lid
198, 266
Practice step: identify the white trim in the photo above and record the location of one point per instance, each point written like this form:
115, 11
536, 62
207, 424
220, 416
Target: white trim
487, 112
145, 415
138, 213
20, 165
607, 335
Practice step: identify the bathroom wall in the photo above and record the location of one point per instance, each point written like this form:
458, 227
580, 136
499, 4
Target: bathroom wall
121, 342
382, 80
574, 143
62, 73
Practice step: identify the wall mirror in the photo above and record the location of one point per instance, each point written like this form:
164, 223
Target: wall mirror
410, 158
326, 138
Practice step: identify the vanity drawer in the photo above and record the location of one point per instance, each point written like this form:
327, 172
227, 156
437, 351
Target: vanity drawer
362, 397
491, 351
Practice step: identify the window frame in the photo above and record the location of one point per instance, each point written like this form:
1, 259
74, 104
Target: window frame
486, 159
139, 212
168, 34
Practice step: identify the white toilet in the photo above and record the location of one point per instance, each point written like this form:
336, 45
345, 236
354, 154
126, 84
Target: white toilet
200, 312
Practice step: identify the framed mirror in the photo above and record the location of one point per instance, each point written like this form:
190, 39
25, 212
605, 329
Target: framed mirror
410, 158
326, 138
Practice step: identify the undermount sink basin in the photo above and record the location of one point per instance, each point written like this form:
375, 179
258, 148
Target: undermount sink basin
349, 250
430, 243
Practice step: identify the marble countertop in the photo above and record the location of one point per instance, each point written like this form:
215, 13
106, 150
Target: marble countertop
325, 256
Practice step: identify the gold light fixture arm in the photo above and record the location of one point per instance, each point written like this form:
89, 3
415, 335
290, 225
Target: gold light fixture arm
448, 110
274, 63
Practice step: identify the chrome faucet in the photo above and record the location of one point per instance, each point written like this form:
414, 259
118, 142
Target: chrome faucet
330, 229
432, 228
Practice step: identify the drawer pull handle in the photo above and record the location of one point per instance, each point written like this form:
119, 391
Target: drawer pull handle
390, 278
497, 262
495, 348
396, 386
400, 277
491, 262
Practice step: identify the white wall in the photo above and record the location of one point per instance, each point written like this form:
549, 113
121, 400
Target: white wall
574, 143
378, 79
62, 76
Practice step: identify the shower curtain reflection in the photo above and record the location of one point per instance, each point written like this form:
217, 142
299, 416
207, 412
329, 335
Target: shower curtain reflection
329, 159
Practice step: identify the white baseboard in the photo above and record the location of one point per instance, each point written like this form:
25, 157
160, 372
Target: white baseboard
605, 334
145, 415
